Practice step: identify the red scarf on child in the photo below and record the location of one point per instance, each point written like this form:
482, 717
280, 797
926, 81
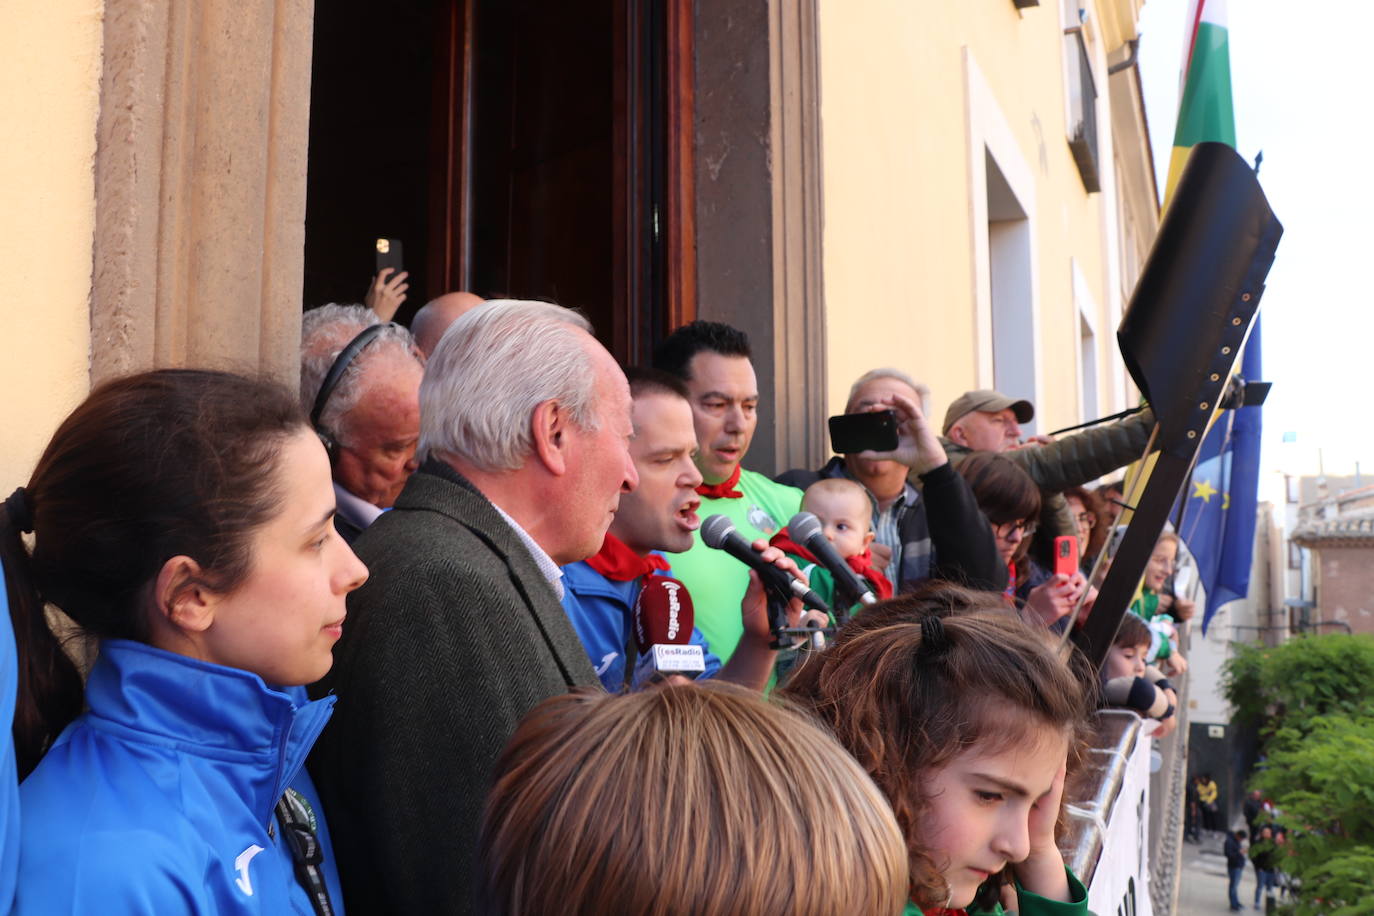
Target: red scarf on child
723, 490
619, 563
861, 564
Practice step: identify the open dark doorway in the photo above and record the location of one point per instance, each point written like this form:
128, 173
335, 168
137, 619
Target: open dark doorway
371, 123
525, 148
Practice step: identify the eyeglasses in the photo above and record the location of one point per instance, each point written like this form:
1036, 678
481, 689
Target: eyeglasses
1005, 530
1086, 519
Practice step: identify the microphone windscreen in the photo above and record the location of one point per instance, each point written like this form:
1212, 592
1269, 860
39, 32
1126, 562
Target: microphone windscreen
803, 527
663, 613
715, 530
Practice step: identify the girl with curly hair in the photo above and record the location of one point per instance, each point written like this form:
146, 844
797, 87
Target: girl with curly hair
965, 717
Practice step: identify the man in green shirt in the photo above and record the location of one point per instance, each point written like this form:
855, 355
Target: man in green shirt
713, 360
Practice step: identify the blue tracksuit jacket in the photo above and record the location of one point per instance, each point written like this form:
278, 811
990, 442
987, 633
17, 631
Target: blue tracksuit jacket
9, 784
601, 611
160, 797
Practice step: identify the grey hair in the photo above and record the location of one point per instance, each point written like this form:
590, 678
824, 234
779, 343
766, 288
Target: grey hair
490, 370
325, 331
872, 375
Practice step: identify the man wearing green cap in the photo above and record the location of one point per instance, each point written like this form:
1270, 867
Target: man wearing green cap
988, 420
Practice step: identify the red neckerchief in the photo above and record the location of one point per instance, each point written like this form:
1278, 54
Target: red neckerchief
723, 490
861, 564
783, 541
619, 563
1010, 592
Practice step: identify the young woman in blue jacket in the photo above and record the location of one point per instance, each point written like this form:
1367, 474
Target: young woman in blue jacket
182, 518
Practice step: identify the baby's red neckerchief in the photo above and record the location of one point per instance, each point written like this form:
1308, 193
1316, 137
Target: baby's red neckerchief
861, 564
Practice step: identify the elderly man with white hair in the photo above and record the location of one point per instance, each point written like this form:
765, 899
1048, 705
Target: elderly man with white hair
936, 532
524, 431
360, 386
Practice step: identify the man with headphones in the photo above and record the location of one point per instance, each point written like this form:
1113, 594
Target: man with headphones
360, 384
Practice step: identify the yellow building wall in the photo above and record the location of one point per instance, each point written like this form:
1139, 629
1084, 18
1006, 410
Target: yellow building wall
899, 233
50, 55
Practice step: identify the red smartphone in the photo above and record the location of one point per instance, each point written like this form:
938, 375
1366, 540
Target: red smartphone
1065, 555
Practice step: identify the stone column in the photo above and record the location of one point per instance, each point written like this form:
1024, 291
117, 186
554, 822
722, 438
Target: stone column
758, 210
200, 186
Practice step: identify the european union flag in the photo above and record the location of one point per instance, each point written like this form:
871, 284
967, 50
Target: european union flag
1218, 522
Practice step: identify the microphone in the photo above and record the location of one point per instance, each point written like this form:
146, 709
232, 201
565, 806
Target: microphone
719, 532
662, 619
807, 531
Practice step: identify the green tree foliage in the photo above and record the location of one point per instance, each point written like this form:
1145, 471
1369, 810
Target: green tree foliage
1301, 680
1312, 700
1345, 877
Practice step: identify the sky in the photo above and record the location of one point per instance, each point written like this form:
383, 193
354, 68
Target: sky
1298, 82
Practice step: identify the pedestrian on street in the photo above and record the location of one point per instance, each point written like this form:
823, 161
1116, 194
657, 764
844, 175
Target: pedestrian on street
1262, 852
1207, 802
1235, 865
1192, 822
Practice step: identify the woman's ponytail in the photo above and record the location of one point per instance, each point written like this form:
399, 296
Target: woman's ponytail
50, 690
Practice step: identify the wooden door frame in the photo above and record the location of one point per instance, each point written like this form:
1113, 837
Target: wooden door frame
451, 167
450, 212
681, 231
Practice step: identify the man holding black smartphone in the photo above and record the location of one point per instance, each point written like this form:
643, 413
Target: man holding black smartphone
936, 531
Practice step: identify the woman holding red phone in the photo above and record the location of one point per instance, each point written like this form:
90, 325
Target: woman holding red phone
1010, 500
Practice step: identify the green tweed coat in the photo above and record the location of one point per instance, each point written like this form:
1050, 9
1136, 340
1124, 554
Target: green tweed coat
454, 637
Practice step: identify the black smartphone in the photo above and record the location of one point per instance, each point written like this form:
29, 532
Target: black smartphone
874, 431
389, 254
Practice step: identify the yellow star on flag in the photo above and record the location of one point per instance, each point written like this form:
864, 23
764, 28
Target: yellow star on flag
1226, 500
1204, 490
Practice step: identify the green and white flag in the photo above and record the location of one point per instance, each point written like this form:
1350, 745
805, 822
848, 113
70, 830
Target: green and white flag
1204, 108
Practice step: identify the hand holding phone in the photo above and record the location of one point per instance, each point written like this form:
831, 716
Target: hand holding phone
871, 431
387, 293
1066, 555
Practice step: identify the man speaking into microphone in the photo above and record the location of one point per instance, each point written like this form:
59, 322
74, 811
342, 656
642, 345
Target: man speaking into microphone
603, 594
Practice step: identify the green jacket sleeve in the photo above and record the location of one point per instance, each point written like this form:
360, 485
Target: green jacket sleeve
1075, 460
1033, 904
818, 577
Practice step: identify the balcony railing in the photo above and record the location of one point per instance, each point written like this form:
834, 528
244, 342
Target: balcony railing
1124, 811
1082, 128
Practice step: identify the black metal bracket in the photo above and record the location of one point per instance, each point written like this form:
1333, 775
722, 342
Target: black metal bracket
1188, 319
